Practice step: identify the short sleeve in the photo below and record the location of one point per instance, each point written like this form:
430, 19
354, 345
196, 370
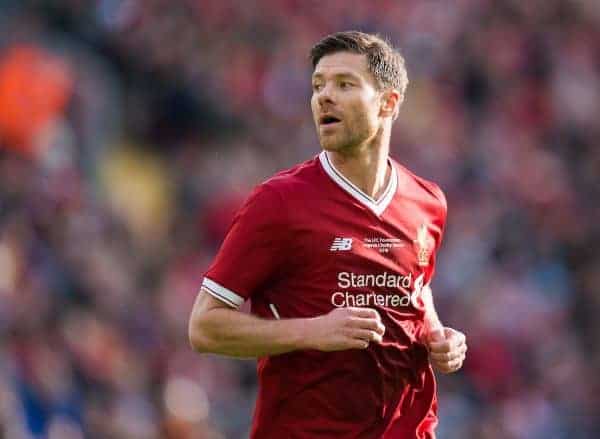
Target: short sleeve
253, 250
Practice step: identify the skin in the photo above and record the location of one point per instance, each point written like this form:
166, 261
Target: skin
358, 146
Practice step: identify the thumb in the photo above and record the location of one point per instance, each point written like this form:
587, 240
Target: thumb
448, 332
436, 335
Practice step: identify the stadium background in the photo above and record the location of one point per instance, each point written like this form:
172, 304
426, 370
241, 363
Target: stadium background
131, 130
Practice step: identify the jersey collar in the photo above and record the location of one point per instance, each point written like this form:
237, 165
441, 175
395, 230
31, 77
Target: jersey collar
377, 206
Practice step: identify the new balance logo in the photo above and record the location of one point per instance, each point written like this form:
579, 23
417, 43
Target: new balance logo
341, 244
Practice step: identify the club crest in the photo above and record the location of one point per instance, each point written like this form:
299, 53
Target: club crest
423, 245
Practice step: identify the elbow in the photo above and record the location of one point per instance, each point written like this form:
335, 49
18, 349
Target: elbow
198, 342
205, 325
198, 337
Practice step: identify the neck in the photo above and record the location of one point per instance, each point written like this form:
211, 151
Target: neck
366, 166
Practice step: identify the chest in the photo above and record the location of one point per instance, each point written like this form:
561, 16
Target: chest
344, 255
401, 241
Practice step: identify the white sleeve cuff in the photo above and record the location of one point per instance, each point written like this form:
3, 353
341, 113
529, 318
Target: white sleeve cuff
223, 294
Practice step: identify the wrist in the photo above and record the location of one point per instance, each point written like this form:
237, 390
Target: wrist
433, 323
306, 333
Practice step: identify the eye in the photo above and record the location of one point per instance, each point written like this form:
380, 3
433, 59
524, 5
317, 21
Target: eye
346, 85
317, 86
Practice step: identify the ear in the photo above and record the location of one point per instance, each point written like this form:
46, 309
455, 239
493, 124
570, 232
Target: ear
390, 103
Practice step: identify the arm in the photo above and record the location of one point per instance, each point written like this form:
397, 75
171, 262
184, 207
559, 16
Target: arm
432, 321
217, 328
447, 346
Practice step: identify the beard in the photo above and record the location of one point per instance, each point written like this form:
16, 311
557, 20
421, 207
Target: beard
349, 137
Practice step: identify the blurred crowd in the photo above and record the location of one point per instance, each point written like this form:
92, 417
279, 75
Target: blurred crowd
131, 130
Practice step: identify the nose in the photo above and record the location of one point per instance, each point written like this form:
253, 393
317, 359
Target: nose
325, 96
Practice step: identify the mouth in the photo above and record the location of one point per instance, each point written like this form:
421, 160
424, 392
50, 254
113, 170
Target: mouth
328, 120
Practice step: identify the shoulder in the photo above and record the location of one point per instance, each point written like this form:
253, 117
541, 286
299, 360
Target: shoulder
436, 191
273, 196
292, 180
426, 188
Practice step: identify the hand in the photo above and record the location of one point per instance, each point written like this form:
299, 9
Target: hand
447, 349
346, 328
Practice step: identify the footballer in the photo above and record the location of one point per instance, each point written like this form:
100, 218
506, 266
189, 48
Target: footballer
336, 256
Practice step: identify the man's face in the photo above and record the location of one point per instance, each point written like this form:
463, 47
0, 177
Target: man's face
345, 102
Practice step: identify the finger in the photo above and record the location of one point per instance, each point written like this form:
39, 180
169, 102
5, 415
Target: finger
455, 343
443, 355
364, 334
448, 345
440, 346
368, 313
448, 367
447, 356
454, 365
455, 353
436, 335
455, 336
357, 344
371, 324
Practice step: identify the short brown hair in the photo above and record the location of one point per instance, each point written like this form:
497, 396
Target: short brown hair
384, 61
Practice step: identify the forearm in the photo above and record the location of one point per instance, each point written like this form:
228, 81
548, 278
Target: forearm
432, 321
233, 333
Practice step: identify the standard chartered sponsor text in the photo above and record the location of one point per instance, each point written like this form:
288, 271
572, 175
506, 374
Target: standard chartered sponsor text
342, 299
403, 283
385, 279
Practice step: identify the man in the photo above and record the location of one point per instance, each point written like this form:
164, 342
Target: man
336, 255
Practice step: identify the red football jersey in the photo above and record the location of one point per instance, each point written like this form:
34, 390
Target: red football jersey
308, 240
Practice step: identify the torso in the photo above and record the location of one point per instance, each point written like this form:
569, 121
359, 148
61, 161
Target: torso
348, 250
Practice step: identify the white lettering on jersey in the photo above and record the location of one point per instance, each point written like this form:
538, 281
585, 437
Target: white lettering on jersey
409, 291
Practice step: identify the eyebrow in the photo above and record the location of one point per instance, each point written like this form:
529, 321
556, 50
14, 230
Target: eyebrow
337, 75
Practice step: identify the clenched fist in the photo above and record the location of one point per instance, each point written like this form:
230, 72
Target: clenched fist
345, 328
447, 349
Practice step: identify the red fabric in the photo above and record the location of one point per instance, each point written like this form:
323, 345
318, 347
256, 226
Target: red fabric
278, 251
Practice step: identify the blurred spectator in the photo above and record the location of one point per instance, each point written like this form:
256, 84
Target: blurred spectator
34, 90
131, 130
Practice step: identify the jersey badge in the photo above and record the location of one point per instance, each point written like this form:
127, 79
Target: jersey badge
423, 245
